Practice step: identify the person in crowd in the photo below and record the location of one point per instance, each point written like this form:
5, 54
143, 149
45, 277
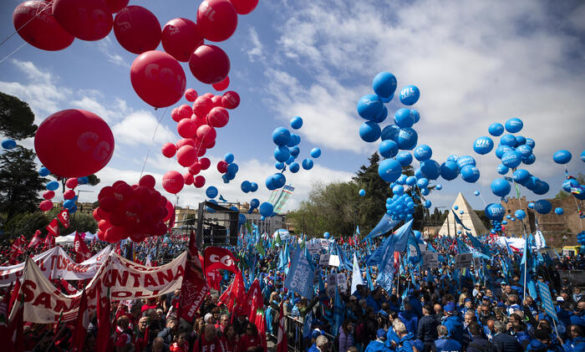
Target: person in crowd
445, 343
478, 343
427, 329
378, 345
502, 341
250, 341
209, 341
346, 335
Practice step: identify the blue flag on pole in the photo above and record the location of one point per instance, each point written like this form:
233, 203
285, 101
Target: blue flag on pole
301, 275
459, 222
398, 243
356, 276
385, 225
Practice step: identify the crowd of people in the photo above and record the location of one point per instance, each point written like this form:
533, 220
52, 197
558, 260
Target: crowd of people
440, 309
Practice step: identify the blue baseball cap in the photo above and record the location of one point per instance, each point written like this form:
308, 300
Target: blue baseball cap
449, 307
381, 333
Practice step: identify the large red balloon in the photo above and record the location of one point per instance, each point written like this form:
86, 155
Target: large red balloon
46, 205
48, 195
205, 163
190, 94
147, 181
173, 182
74, 143
185, 111
219, 86
170, 209
222, 166
199, 181
209, 64
217, 19
180, 37
230, 100
169, 150
186, 128
137, 29
195, 168
244, 7
188, 178
71, 182
186, 155
158, 78
84, 19
34, 22
202, 106
185, 141
218, 117
117, 5
205, 133
69, 194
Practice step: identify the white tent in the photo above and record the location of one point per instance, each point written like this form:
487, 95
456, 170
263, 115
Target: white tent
468, 217
283, 233
71, 237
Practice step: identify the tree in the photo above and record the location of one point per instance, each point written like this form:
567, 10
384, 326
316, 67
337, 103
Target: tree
16, 118
26, 224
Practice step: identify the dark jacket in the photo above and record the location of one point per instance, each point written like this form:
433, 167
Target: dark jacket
505, 343
427, 329
479, 344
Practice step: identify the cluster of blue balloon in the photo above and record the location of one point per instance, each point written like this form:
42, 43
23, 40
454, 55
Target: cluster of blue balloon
71, 202
232, 168
570, 185
8, 144
248, 186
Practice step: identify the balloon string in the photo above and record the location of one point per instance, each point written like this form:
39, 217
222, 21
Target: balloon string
144, 164
163, 112
39, 11
12, 53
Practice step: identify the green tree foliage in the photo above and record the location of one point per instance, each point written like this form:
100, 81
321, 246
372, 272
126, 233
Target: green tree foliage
25, 224
16, 118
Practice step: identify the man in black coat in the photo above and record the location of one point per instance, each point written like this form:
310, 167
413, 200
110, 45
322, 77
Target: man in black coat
427, 329
478, 343
502, 341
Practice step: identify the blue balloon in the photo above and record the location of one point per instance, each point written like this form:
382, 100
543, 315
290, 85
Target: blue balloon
270, 183
431, 169
253, 186
53, 185
211, 192
326, 235
410, 180
495, 211
362, 192
456, 207
315, 153
229, 158
529, 160
370, 106
83, 180
278, 165
503, 169
559, 211
281, 136
404, 158
508, 140
384, 84
403, 118
524, 150
8, 144
520, 214
43, 171
427, 204
241, 219
381, 117
542, 206
496, 129
307, 164
500, 187
370, 131
483, 145
512, 159
476, 193
294, 167
398, 190
402, 179
508, 217
281, 153
514, 125
245, 186
295, 139
541, 187
422, 152
294, 151
233, 168
415, 115
296, 122
531, 205
254, 203
290, 160
470, 173
562, 157
464, 161
68, 204
418, 173
388, 149
390, 132
521, 140
389, 170
407, 139
530, 142
409, 95
583, 156
521, 176
501, 149
279, 180
449, 170
439, 187
422, 182
266, 209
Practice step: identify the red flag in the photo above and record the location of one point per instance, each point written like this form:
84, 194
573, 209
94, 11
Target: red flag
80, 248
53, 227
63, 217
4, 313
16, 331
49, 242
36, 240
254, 299
234, 297
13, 296
194, 287
260, 321
219, 258
68, 287
80, 325
15, 250
281, 338
103, 322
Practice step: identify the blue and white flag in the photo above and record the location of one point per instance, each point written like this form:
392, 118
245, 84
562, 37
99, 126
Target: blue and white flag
385, 225
398, 243
547, 301
301, 275
356, 276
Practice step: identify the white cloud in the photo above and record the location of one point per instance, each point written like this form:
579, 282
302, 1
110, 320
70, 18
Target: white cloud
141, 127
107, 47
257, 50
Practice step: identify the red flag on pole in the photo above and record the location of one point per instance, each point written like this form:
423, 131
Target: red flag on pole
49, 242
103, 322
36, 240
15, 250
53, 227
254, 299
281, 338
63, 217
219, 258
194, 287
16, 331
80, 248
80, 326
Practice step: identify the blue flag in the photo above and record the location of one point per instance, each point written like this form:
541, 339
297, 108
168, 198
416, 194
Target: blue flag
398, 243
459, 222
301, 275
385, 225
356, 276
338, 312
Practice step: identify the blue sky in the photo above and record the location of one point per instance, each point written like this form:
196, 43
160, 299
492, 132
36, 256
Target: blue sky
475, 62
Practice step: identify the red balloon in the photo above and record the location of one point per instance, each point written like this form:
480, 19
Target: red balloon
209, 64
104, 224
186, 155
218, 117
173, 182
202, 106
217, 19
117, 5
169, 150
69, 194
84, 19
147, 181
230, 100
137, 29
244, 7
46, 205
185, 141
199, 181
180, 37
205, 133
170, 209
186, 128
205, 163
216, 100
34, 22
222, 166
96, 214
175, 114
71, 182
158, 78
202, 151
74, 143
210, 144
48, 195
219, 86
105, 192
190, 94
188, 178
114, 234
185, 112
